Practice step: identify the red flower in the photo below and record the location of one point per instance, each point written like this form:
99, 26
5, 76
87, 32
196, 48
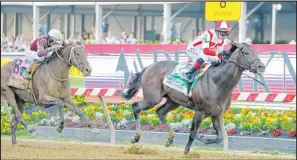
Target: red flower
147, 127
83, 124
133, 126
277, 132
160, 127
214, 132
71, 124
292, 133
202, 130
232, 131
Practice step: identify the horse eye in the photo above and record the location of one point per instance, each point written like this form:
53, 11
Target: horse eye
246, 53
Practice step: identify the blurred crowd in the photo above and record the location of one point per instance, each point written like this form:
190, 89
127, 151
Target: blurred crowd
19, 44
14, 44
108, 38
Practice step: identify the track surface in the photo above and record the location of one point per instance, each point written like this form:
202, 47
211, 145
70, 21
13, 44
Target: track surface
45, 149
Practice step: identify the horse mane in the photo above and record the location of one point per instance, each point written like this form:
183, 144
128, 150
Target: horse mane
231, 50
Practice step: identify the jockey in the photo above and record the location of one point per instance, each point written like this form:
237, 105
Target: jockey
43, 47
207, 46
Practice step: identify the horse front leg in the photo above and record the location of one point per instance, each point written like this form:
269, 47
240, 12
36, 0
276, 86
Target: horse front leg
197, 119
217, 127
51, 101
72, 107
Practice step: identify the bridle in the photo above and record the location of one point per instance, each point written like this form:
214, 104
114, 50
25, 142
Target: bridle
77, 62
247, 67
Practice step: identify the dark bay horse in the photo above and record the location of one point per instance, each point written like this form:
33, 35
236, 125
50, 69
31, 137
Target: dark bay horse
211, 95
50, 86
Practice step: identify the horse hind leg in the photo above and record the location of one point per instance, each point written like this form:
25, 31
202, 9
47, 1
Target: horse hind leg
13, 127
10, 97
162, 111
13, 124
137, 107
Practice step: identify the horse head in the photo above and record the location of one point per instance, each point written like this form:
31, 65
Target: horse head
76, 55
246, 57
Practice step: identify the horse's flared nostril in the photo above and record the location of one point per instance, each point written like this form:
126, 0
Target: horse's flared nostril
88, 70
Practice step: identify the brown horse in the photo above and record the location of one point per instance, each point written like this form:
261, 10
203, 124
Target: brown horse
211, 95
50, 86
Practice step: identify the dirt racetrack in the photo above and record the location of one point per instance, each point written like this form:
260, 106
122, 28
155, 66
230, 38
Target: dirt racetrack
45, 149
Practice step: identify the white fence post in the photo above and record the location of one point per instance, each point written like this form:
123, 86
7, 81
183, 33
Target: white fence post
109, 122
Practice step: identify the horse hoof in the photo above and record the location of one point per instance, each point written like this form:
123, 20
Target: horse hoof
95, 130
31, 129
167, 144
200, 137
169, 141
34, 134
59, 130
135, 139
13, 142
186, 151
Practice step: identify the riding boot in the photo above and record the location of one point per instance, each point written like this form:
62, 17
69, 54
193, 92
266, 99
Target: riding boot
28, 72
189, 75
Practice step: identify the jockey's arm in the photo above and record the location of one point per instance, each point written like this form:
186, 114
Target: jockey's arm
205, 46
64, 43
41, 48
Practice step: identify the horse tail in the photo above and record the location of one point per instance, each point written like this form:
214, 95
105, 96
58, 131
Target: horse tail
133, 87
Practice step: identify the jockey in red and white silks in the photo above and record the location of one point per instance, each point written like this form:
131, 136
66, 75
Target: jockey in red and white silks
207, 46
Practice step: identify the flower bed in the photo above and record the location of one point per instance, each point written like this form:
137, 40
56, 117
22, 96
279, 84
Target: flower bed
254, 122
32, 119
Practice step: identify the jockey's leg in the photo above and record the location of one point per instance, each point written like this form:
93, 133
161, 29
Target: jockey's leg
190, 74
214, 61
200, 59
28, 73
30, 56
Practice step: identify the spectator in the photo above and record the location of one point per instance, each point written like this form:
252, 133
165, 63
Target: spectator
131, 39
110, 39
124, 39
292, 42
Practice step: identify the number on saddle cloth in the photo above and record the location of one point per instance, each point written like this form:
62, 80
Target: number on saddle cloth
16, 79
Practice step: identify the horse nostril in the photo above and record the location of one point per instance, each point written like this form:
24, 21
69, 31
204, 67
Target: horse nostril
88, 70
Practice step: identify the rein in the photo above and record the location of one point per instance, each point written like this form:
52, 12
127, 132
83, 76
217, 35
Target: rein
68, 62
246, 69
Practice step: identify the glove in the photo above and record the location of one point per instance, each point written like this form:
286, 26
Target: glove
215, 63
55, 47
222, 54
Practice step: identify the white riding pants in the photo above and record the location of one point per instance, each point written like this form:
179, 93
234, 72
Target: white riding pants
195, 54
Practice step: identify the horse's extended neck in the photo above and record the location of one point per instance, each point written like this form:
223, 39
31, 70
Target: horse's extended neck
60, 68
227, 76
